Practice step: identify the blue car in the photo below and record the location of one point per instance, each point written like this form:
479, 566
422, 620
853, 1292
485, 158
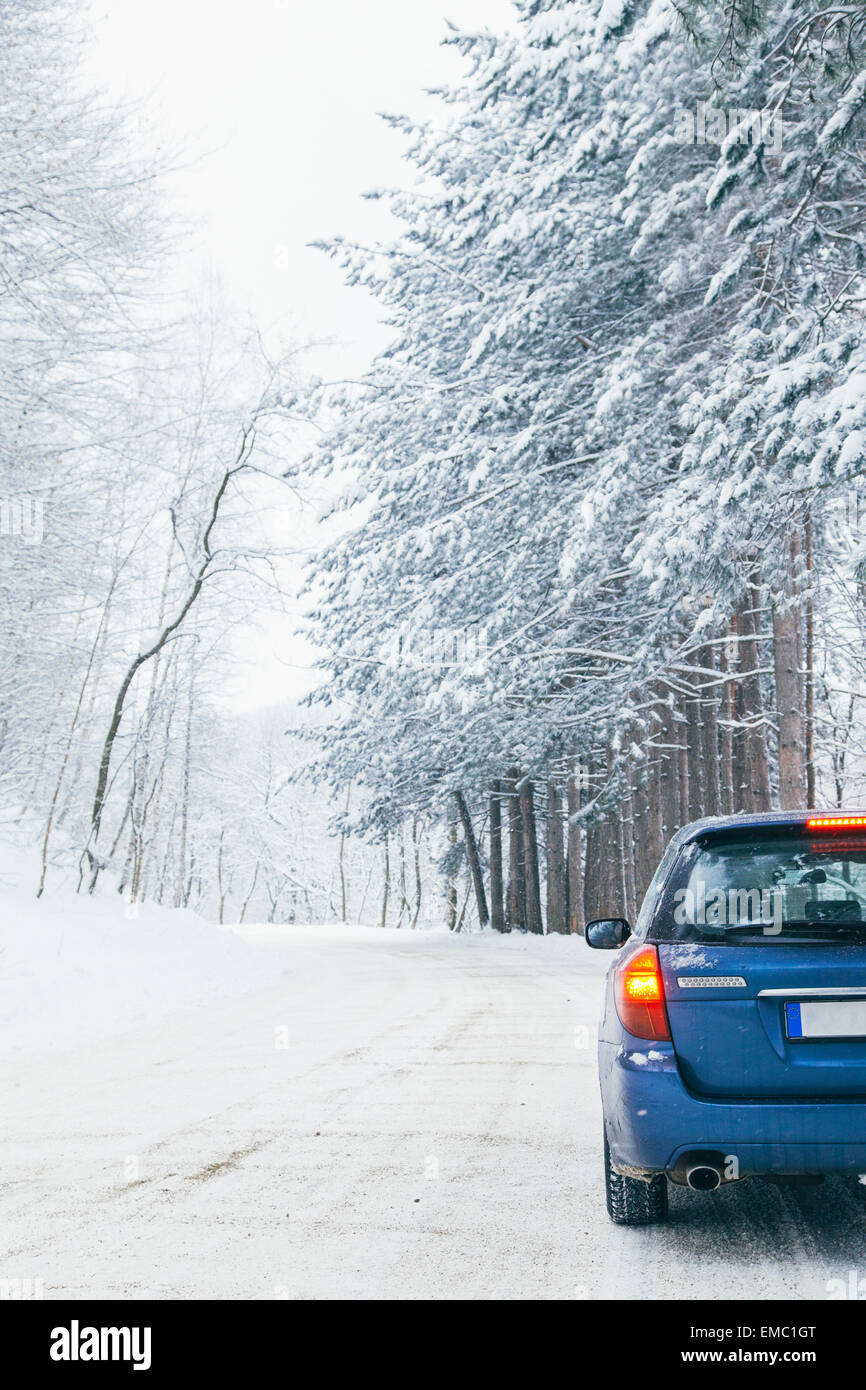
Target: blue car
733, 1038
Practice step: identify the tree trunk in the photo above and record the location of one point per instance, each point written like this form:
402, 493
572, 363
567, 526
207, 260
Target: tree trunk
341, 861
655, 833
452, 884
249, 894
52, 810
416, 855
710, 739
809, 665
530, 859
645, 864
629, 886
751, 766
180, 879
474, 861
497, 909
681, 758
221, 889
557, 920
576, 921
198, 580
405, 906
386, 885
730, 661
669, 787
697, 794
593, 892
601, 895
516, 905
787, 666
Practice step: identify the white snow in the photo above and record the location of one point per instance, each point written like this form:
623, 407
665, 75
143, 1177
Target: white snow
384, 1114
688, 955
75, 969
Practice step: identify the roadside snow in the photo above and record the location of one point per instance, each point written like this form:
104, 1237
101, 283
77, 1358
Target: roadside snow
76, 969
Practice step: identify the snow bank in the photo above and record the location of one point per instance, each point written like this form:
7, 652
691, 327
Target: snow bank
76, 969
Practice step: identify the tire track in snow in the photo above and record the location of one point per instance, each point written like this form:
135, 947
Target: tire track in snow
303, 1173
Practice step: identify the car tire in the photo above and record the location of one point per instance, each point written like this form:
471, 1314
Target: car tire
634, 1201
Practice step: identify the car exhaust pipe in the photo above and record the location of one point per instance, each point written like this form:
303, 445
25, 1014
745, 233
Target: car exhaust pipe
703, 1178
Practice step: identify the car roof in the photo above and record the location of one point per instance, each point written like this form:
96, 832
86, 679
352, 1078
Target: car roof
758, 819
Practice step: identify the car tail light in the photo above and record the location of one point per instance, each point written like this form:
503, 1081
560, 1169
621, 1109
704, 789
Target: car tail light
639, 993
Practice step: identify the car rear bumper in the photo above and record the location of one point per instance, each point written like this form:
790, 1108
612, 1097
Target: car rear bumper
652, 1122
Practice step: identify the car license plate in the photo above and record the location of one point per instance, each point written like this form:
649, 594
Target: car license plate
826, 1018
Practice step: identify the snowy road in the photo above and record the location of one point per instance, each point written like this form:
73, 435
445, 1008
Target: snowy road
398, 1115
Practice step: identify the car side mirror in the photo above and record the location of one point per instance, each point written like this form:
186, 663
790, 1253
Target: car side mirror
607, 933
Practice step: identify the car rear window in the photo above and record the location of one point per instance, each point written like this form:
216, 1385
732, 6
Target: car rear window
765, 886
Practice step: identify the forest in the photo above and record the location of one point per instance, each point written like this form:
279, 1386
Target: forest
586, 559
619, 432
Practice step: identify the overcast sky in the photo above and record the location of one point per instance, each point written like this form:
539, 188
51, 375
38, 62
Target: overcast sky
284, 97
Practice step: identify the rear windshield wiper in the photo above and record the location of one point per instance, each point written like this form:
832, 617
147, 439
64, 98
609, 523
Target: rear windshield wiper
793, 930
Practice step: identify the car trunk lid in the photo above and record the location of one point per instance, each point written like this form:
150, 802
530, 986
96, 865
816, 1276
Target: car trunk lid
743, 1021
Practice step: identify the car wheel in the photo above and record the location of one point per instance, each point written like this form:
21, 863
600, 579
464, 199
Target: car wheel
634, 1201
